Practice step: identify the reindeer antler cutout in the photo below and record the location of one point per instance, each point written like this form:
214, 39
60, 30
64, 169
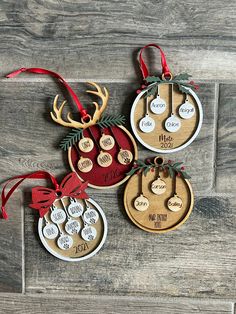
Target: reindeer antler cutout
56, 114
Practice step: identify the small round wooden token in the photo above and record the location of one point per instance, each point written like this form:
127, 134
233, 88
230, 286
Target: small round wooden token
141, 203
86, 144
174, 203
50, 231
58, 216
172, 124
75, 209
64, 242
158, 186
85, 164
104, 159
90, 216
124, 156
158, 105
106, 142
88, 233
186, 110
147, 124
78, 238
72, 226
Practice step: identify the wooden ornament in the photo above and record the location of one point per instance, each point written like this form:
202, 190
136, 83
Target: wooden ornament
158, 105
80, 240
147, 124
175, 203
141, 203
158, 186
86, 144
165, 211
85, 164
106, 142
166, 133
104, 159
125, 156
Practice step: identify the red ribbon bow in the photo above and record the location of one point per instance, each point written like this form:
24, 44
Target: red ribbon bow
43, 198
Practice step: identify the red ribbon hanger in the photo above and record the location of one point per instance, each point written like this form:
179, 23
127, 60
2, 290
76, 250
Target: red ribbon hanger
165, 69
43, 198
80, 107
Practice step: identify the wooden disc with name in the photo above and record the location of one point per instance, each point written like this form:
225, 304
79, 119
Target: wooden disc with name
82, 240
175, 134
158, 218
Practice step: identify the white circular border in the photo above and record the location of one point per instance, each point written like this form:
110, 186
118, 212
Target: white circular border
166, 151
70, 259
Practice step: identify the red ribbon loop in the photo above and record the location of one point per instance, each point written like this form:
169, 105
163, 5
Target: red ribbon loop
43, 198
80, 107
165, 69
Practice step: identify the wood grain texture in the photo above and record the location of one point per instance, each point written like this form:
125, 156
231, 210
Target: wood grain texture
31, 138
100, 39
11, 236
226, 149
38, 304
197, 260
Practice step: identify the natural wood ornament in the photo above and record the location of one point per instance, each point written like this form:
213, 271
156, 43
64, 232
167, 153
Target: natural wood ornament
100, 149
158, 196
72, 226
166, 116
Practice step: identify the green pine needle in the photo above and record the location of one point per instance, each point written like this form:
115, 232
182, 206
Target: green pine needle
108, 121
73, 137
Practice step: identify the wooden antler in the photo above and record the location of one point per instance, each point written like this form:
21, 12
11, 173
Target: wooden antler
56, 114
104, 97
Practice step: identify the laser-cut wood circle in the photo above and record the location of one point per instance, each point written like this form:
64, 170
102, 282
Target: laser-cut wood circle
160, 140
86, 243
158, 218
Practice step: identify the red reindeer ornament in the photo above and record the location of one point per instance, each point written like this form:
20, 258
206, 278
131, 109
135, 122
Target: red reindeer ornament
72, 226
100, 149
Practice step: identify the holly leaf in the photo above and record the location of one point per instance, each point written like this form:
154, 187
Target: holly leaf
182, 77
152, 91
185, 175
183, 89
171, 171
153, 79
177, 164
146, 171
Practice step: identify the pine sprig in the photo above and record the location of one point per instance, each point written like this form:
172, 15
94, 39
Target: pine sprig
76, 134
73, 137
171, 169
107, 121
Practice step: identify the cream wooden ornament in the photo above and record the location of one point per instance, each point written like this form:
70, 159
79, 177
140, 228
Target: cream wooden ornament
147, 124
175, 203
141, 203
86, 144
158, 186
186, 110
158, 105
104, 159
125, 156
106, 142
85, 164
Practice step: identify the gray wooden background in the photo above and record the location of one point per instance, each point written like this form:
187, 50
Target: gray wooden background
191, 270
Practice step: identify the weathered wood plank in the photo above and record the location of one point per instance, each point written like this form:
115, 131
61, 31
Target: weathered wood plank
37, 304
226, 149
11, 267
84, 39
196, 260
31, 138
